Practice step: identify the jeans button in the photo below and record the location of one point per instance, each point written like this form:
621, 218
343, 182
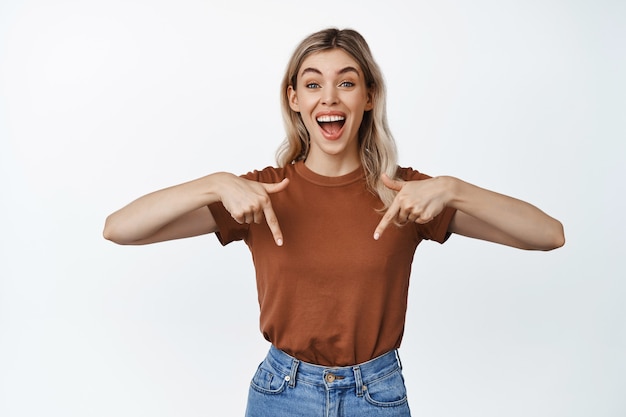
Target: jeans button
330, 378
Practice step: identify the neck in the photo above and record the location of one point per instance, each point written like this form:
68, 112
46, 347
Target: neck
332, 167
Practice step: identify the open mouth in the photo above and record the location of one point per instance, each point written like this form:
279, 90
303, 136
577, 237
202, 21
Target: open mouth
331, 124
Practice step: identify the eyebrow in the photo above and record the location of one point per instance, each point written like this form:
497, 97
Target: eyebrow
340, 72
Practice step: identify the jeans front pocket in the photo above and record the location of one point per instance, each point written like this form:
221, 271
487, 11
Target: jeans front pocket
266, 380
388, 391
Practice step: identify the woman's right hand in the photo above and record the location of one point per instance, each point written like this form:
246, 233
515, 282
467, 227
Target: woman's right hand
249, 202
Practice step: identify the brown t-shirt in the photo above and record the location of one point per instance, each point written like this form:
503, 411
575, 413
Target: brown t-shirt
331, 295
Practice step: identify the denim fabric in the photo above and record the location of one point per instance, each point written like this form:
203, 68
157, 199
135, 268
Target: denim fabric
286, 387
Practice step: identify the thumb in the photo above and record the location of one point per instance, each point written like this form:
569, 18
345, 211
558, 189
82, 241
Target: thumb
276, 187
395, 185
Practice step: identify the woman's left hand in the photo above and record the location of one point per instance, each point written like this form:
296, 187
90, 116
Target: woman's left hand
416, 201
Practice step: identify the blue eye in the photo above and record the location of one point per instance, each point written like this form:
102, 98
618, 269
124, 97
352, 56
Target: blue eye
347, 84
312, 85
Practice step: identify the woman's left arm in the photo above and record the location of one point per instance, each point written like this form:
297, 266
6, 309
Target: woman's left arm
487, 215
481, 214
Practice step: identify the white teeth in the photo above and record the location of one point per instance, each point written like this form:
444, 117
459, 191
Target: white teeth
327, 119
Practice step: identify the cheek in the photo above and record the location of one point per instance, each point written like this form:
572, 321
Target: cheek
308, 121
361, 103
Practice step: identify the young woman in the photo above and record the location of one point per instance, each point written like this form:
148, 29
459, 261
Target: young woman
332, 231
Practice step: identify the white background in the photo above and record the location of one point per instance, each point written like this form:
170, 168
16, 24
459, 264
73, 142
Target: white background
103, 101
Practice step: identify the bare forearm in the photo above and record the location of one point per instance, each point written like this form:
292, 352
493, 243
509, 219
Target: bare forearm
146, 216
500, 218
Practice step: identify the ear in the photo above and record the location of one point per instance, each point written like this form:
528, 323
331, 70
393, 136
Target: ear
293, 99
370, 101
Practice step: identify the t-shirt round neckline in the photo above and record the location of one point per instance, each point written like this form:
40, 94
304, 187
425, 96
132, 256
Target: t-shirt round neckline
325, 181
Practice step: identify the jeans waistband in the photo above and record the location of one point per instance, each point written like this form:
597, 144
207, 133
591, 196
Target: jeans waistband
334, 377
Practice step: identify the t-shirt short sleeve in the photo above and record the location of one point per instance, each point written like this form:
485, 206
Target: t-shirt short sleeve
436, 229
228, 230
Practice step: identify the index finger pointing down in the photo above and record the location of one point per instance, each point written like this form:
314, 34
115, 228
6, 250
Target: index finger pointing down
387, 218
272, 222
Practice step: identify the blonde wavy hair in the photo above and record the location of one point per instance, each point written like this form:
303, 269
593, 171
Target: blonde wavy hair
377, 147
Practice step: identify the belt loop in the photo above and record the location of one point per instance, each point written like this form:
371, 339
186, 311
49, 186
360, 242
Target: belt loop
358, 381
292, 374
398, 358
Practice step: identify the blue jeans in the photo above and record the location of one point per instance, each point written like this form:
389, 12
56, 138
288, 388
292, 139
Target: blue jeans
286, 387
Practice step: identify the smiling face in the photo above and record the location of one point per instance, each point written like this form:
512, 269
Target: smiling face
331, 96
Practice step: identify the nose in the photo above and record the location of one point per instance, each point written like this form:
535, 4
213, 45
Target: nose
330, 96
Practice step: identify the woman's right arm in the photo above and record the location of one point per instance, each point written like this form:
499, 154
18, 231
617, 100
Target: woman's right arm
181, 211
